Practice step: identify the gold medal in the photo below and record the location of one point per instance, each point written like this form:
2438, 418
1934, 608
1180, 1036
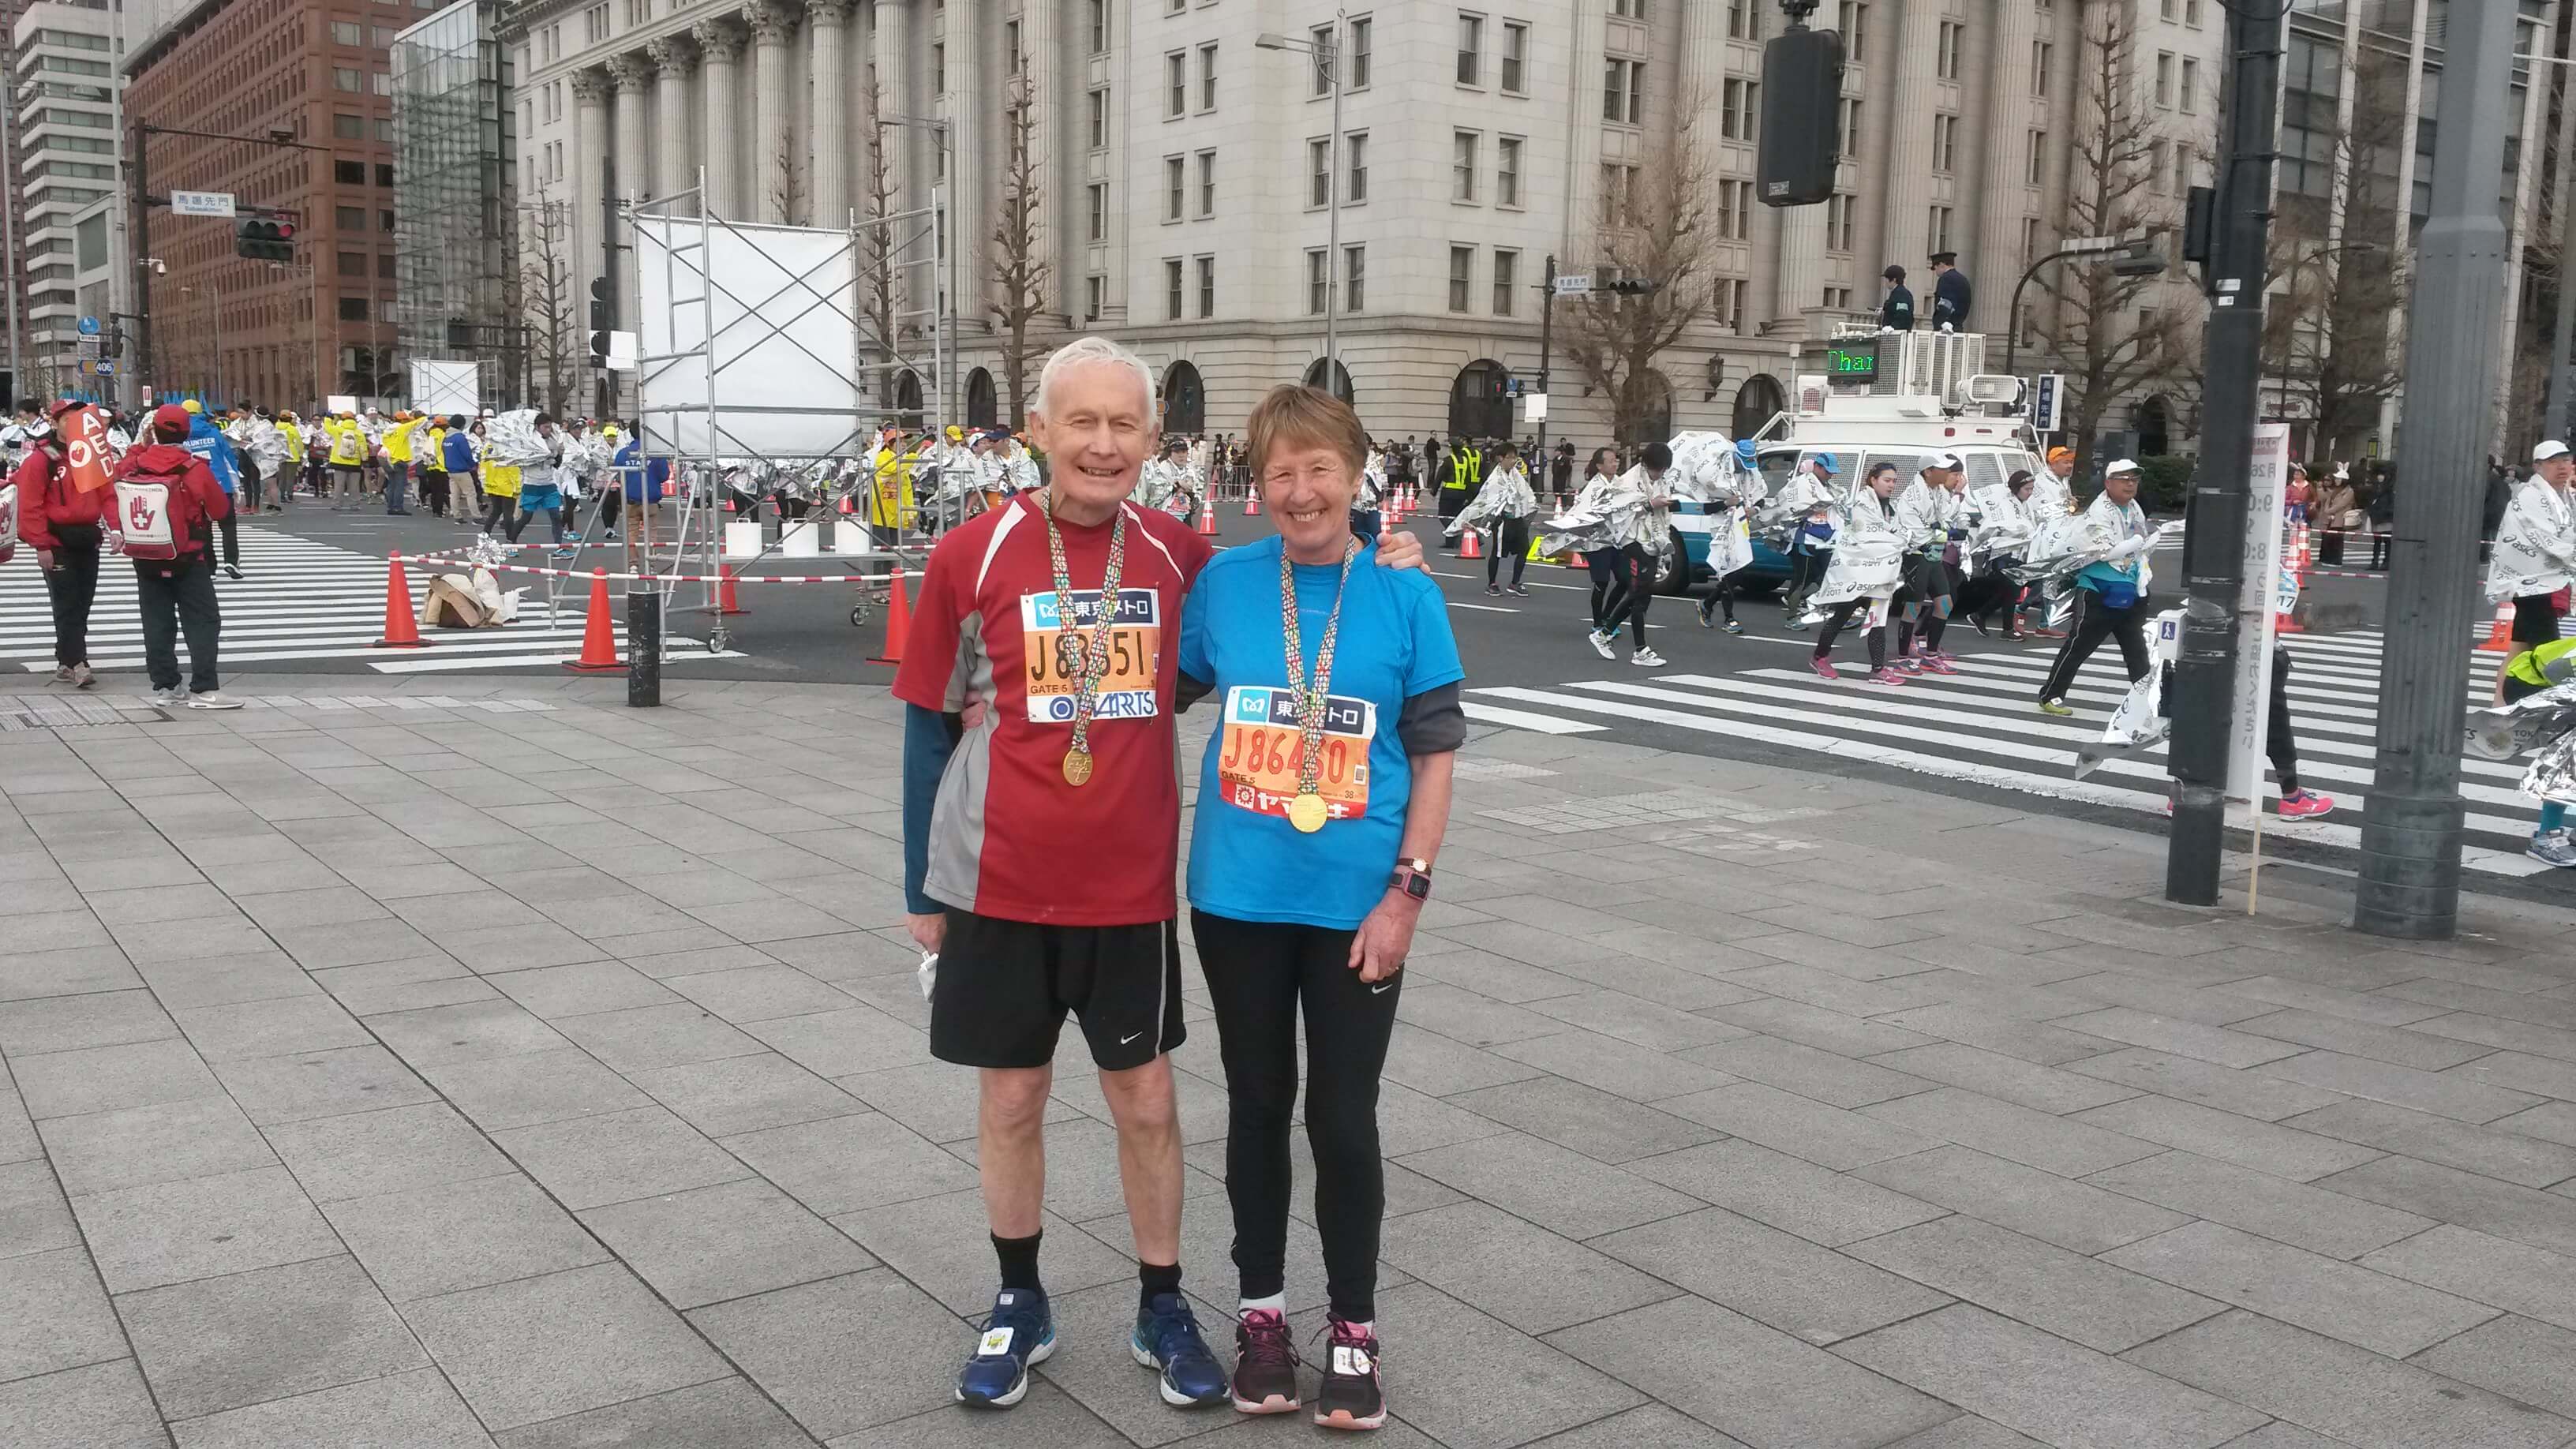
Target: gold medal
1307, 813
1077, 773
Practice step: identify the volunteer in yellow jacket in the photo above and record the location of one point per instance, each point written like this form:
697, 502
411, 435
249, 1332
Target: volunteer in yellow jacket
348, 462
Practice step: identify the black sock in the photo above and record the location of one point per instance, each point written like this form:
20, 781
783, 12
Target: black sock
1020, 1261
1152, 1279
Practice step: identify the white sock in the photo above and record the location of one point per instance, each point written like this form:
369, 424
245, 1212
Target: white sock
1275, 1303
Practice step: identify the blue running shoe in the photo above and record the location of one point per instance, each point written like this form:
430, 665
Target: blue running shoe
1167, 1338
1019, 1335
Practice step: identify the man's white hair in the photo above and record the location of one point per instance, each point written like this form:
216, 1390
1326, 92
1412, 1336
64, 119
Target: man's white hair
1083, 352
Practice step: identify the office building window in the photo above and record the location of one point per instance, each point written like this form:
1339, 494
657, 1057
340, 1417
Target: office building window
1623, 91
1099, 26
1471, 50
2182, 171
1462, 275
1095, 296
1319, 278
1011, 46
1319, 172
1207, 77
353, 309
1507, 171
2190, 85
2164, 79
1629, 9
1838, 299
1171, 289
1838, 221
2040, 53
1853, 21
1515, 44
1937, 234
1616, 181
1738, 103
1355, 149
1726, 303
1099, 124
1176, 85
345, 32
1358, 66
1945, 143
1744, 20
1734, 212
1207, 183
2035, 160
1207, 287
1354, 279
1099, 191
1175, 183
2029, 239
1319, 77
1847, 129
1507, 267
1462, 166
1945, 59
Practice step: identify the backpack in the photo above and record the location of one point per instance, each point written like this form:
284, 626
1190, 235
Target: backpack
143, 517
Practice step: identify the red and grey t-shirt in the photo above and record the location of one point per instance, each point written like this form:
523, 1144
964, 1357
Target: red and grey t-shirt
1008, 837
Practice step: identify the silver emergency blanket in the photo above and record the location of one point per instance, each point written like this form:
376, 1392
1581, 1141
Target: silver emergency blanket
2138, 723
1609, 513
2535, 547
1171, 487
1504, 495
2543, 723
512, 441
2002, 525
1869, 554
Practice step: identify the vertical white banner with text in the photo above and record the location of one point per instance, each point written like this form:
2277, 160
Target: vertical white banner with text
2267, 489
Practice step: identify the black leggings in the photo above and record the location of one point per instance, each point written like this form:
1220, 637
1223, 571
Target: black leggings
1923, 605
497, 510
1841, 615
1992, 591
1508, 535
71, 587
2091, 625
1806, 572
1622, 588
1261, 977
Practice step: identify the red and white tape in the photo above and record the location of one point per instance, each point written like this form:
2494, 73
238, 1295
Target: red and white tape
447, 562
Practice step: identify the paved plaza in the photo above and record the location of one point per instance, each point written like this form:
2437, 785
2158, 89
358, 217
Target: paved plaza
487, 1063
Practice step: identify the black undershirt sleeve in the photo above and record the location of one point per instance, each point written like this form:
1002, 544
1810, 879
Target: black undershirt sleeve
1187, 691
1433, 722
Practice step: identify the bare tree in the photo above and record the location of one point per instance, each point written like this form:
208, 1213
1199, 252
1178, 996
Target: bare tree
2105, 331
880, 283
545, 290
1021, 271
1653, 246
789, 192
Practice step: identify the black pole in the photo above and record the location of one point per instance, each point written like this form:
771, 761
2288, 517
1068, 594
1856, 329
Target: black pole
643, 647
1546, 356
2204, 679
2411, 827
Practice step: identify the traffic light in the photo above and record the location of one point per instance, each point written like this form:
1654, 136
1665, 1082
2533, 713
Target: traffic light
1802, 86
2143, 258
603, 316
460, 334
264, 239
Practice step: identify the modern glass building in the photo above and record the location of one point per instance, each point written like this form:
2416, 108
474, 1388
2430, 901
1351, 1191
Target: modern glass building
455, 232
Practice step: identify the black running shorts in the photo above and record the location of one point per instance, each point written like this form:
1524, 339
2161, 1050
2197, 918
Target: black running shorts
1004, 988
2535, 619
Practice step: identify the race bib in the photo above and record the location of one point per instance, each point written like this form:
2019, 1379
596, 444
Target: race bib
1259, 758
1135, 652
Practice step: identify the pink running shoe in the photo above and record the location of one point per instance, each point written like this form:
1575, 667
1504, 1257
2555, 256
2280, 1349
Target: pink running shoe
1908, 663
1885, 676
1824, 668
1939, 664
2305, 803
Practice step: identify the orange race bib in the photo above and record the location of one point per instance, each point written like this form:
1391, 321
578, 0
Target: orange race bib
1135, 650
1258, 760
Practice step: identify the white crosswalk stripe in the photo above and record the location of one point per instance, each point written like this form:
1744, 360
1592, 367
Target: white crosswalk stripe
1982, 726
301, 600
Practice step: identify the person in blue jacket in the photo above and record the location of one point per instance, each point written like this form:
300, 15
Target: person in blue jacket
463, 481
208, 442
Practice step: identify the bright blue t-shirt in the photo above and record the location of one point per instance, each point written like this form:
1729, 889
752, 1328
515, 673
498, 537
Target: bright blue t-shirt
1246, 860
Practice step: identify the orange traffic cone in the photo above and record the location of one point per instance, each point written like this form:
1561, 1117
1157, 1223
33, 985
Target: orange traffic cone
598, 636
1207, 518
402, 628
1471, 546
2500, 633
898, 621
848, 508
2286, 621
1252, 505
726, 603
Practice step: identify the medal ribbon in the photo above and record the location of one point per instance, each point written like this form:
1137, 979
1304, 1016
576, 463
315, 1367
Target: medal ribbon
1311, 708
1087, 660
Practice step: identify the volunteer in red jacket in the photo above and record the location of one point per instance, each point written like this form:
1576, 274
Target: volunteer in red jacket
61, 523
167, 504
1040, 844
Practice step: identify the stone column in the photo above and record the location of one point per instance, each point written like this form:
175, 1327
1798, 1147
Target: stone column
674, 57
1583, 135
633, 74
893, 58
720, 42
1909, 154
776, 157
828, 38
967, 172
590, 93
1040, 42
2005, 198
1800, 282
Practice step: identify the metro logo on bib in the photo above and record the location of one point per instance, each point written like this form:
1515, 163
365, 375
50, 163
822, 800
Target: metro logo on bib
1135, 652
1257, 764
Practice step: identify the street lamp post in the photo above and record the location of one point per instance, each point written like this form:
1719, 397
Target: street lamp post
143, 201
1328, 68
2136, 259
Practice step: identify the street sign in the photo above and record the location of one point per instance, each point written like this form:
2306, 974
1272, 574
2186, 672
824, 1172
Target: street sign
1536, 403
2047, 400
201, 203
89, 327
2093, 244
106, 367
1575, 286
85, 346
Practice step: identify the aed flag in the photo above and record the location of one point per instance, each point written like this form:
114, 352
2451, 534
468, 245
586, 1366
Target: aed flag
85, 445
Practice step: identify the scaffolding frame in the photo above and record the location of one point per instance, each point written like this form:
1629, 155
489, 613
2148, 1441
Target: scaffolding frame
686, 253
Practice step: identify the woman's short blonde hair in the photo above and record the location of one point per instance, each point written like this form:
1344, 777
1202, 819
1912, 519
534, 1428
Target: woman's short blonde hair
1293, 416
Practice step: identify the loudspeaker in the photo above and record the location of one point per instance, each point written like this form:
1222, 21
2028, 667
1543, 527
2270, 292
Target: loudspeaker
1802, 81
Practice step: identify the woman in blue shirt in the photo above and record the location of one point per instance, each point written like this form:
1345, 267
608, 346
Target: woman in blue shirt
1322, 798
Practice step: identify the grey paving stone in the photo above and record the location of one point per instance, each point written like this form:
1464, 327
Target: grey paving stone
2241, 1092
799, 1345
2326, 1295
2523, 1072
1811, 1292
139, 1146
593, 1161
758, 993
1812, 1072
1648, 1424
1813, 1026
2336, 1389
1608, 1064
361, 1154
2067, 1294
1756, 1383
1595, 1123
170, 1232
2263, 1146
2524, 1360
2281, 1434
319, 948
504, 1092
33, 1216
298, 1088
1832, 992
271, 1028
841, 1164
2042, 1386
727, 1241
1407, 1121
838, 1043
2051, 1143
1614, 1013
2448, 1195
2284, 1211
647, 1037
747, 1093
416, 1410
1788, 1193
74, 1023
2182, 1002
1555, 1187
2031, 1041
1532, 1279
69, 971
1451, 1397
2492, 1270
2030, 1202
223, 1343
552, 992
2487, 1151
2331, 1001
54, 1315
2005, 1078
539, 1348
944, 1245
1429, 1062
2439, 1093
1786, 1122
472, 1031
258, 976
1970, 1432
2214, 1044
2556, 1042
728, 1412
2550, 1122
2420, 1050
423, 1241
103, 1406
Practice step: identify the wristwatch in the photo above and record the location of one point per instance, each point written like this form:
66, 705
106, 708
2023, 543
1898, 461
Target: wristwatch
1413, 877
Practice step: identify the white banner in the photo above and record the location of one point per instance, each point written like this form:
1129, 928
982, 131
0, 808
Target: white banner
2266, 489
445, 388
780, 371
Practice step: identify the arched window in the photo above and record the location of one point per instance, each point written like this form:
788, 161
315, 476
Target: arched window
1184, 400
907, 400
1340, 386
1656, 426
982, 409
1479, 407
1756, 403
2153, 421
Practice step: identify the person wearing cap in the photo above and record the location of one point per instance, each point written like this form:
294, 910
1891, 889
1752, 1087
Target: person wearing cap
1950, 293
2111, 592
1807, 501
1926, 513
210, 445
61, 522
349, 448
1896, 314
2006, 521
163, 488
1165, 483
2535, 547
1729, 523
398, 451
2052, 492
